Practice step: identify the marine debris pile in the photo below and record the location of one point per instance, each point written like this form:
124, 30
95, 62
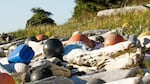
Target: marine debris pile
89, 57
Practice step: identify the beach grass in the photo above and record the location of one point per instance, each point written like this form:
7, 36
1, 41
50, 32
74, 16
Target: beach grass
138, 22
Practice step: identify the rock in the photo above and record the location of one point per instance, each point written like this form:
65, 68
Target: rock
95, 81
107, 76
124, 10
146, 79
132, 80
53, 80
56, 70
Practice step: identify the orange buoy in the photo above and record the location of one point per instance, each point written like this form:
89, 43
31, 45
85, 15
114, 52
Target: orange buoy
81, 37
41, 37
112, 39
6, 79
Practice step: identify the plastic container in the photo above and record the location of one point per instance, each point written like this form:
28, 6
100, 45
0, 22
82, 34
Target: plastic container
23, 54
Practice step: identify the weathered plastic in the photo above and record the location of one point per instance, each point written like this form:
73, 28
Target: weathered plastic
23, 53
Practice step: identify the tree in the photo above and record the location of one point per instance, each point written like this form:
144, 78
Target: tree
40, 17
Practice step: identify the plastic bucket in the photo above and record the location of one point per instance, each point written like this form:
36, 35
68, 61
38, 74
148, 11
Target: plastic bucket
23, 53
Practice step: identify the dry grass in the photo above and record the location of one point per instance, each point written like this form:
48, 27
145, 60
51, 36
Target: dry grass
138, 22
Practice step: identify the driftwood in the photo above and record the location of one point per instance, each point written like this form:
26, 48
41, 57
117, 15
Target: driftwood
120, 56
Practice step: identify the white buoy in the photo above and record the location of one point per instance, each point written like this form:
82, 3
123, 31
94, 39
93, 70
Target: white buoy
20, 67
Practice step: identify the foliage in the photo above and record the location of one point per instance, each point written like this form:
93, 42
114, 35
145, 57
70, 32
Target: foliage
138, 22
93, 6
40, 17
40, 11
18, 81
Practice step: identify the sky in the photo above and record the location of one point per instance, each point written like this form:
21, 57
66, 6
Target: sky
15, 13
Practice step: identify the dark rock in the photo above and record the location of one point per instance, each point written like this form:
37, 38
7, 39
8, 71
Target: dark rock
53, 80
96, 81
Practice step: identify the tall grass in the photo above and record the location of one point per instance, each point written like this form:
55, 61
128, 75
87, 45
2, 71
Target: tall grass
139, 22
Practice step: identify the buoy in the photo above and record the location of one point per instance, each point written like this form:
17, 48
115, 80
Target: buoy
112, 39
41, 37
6, 79
53, 48
81, 37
